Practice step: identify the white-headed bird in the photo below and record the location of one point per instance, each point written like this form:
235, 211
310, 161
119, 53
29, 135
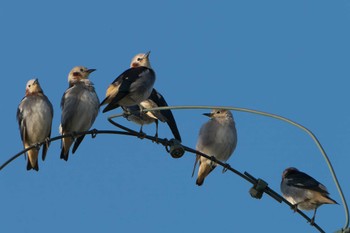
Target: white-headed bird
133, 86
218, 138
34, 115
134, 114
303, 191
80, 106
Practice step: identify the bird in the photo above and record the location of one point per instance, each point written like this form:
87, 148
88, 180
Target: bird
218, 138
303, 191
34, 116
80, 106
133, 86
134, 114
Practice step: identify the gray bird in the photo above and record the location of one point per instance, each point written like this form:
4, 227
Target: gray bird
218, 138
133, 114
80, 106
303, 191
34, 116
133, 86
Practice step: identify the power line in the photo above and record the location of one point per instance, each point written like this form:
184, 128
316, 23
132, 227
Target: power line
312, 135
176, 149
225, 166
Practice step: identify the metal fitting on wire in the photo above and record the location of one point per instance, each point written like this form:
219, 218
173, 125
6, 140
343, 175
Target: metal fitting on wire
258, 189
176, 150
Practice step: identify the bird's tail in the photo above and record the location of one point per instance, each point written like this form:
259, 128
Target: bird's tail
77, 143
204, 170
110, 107
105, 101
328, 200
45, 148
33, 159
195, 164
66, 144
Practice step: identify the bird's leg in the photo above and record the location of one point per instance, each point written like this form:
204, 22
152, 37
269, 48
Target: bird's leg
312, 222
142, 135
126, 114
156, 135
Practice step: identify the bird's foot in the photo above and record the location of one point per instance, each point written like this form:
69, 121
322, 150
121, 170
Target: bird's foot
47, 141
212, 160
226, 167
312, 221
74, 134
294, 208
94, 133
156, 138
141, 134
37, 146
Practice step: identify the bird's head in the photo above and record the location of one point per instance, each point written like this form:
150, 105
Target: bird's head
79, 73
33, 87
141, 59
218, 113
288, 171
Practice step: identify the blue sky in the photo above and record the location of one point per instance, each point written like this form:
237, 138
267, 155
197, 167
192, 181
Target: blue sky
286, 57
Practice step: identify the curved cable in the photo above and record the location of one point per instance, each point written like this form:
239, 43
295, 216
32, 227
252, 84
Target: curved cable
226, 166
92, 132
314, 138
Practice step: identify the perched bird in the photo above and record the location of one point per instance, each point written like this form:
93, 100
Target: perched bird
34, 115
133, 113
80, 106
218, 138
303, 191
133, 86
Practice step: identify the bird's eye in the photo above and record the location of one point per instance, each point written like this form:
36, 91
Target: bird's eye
139, 59
29, 85
217, 112
81, 70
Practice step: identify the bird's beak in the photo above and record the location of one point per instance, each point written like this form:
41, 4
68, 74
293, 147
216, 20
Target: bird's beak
90, 70
208, 114
36, 81
147, 54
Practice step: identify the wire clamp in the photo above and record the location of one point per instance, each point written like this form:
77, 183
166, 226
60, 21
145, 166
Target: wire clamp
176, 150
258, 189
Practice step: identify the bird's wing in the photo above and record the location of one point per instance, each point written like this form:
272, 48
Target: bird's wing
126, 79
20, 119
157, 98
69, 101
195, 164
124, 82
47, 144
304, 181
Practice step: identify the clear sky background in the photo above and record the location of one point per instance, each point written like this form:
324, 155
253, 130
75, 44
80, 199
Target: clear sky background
286, 57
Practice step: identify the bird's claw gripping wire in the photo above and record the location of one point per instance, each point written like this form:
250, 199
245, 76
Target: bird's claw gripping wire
226, 167
74, 134
37, 146
141, 135
94, 133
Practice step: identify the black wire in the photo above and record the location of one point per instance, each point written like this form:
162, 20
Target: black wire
225, 166
166, 143
92, 132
